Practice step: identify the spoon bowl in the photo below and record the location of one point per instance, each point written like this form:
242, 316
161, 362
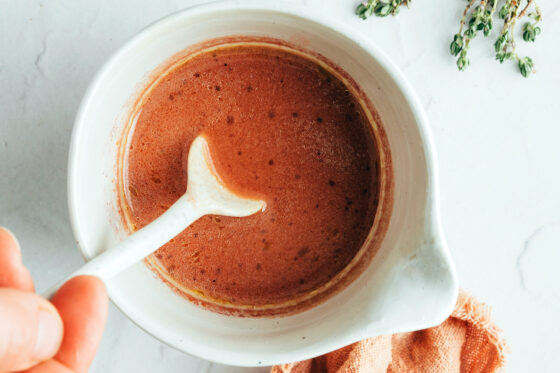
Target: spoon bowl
206, 190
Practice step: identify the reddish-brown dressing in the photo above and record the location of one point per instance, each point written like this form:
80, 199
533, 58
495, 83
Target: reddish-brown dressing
280, 128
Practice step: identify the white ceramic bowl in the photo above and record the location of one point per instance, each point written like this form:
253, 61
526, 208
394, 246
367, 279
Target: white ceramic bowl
409, 285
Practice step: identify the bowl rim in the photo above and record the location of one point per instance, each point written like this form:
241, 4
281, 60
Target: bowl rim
300, 11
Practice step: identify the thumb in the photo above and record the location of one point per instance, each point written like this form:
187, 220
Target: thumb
30, 330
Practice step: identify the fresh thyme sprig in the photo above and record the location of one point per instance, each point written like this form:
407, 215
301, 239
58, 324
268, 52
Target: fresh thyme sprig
481, 19
380, 8
480, 15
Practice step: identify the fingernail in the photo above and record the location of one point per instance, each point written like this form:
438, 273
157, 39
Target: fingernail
12, 236
49, 335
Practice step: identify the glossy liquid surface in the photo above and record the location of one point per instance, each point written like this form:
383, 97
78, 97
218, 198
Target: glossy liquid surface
280, 128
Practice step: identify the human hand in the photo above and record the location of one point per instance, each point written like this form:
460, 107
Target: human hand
39, 336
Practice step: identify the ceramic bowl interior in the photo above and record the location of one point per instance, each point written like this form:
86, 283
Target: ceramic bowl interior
409, 285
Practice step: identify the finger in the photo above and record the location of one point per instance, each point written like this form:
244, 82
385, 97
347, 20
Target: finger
82, 304
12, 272
30, 329
49, 366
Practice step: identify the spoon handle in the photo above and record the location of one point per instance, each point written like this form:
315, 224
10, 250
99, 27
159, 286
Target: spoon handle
138, 245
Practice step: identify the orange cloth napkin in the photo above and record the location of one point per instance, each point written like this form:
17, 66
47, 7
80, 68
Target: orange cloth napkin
467, 342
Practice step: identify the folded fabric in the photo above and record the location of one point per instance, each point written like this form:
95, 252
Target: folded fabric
467, 342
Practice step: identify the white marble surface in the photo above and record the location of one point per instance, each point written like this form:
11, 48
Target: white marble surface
496, 133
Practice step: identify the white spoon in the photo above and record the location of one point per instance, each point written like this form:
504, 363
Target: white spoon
205, 195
